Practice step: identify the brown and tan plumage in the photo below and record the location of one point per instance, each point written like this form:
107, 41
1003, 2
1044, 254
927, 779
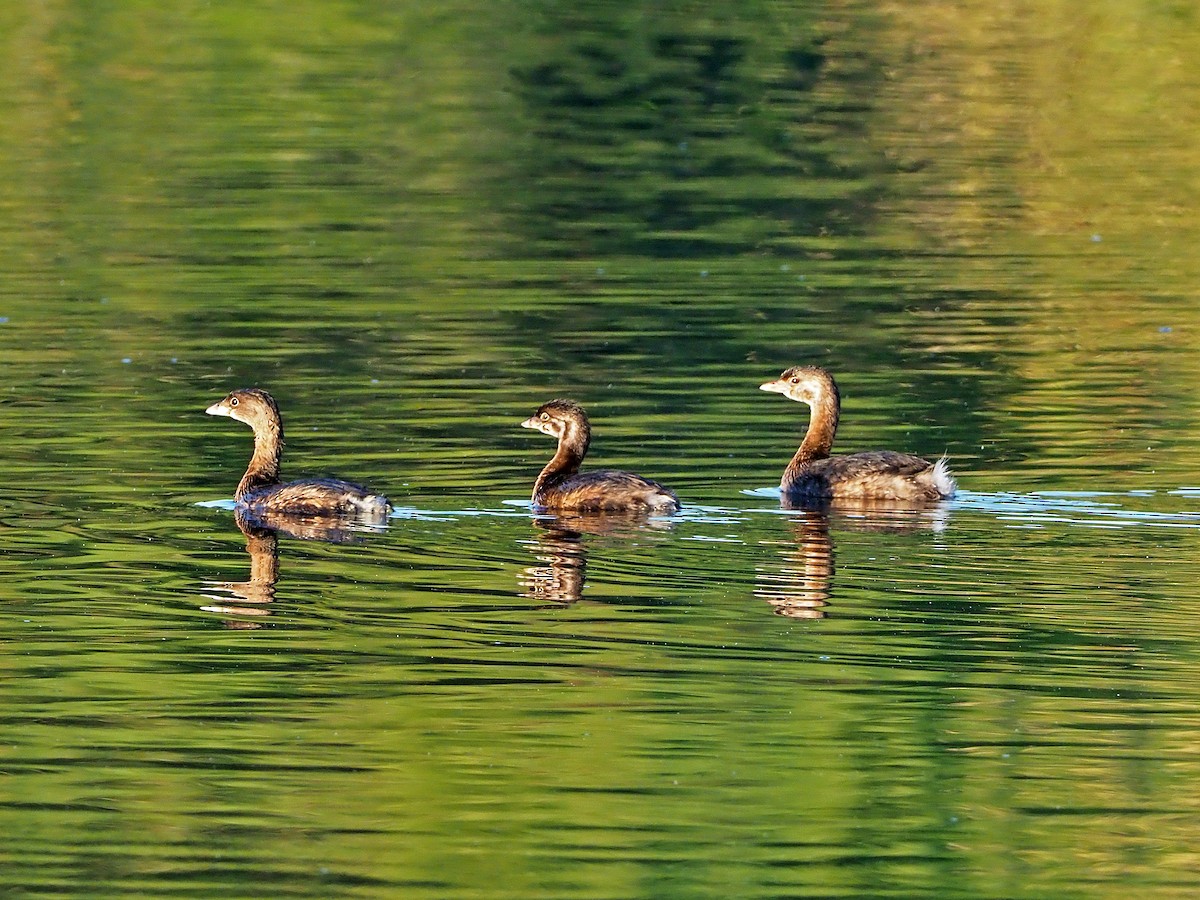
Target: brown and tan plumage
814, 475
561, 486
260, 489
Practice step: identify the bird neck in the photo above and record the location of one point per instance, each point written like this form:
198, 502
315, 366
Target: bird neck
263, 470
572, 447
818, 441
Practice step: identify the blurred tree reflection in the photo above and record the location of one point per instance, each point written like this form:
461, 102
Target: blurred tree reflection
661, 131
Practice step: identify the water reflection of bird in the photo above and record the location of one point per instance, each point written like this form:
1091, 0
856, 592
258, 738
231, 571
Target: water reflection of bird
562, 556
561, 568
561, 486
330, 529
262, 544
260, 489
801, 586
262, 532
876, 474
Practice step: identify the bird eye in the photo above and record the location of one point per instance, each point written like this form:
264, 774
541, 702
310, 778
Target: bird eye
233, 401
545, 417
795, 381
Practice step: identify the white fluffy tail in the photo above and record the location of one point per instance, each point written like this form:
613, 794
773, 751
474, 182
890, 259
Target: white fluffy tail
373, 506
942, 479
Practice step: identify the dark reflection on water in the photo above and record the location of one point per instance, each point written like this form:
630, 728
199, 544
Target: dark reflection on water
655, 134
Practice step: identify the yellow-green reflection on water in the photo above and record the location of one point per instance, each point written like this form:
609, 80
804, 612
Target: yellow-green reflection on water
413, 225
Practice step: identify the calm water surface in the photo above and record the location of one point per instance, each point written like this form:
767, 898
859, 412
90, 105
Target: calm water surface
415, 226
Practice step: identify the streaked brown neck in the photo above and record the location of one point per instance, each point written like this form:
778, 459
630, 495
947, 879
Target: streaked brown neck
263, 470
572, 447
822, 427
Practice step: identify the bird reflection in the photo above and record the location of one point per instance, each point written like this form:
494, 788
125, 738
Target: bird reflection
562, 555
800, 587
332, 529
250, 598
562, 565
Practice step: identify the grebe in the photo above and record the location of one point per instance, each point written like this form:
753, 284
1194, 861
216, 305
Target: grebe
560, 486
876, 474
260, 490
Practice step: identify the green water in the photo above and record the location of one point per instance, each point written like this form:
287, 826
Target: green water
414, 224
